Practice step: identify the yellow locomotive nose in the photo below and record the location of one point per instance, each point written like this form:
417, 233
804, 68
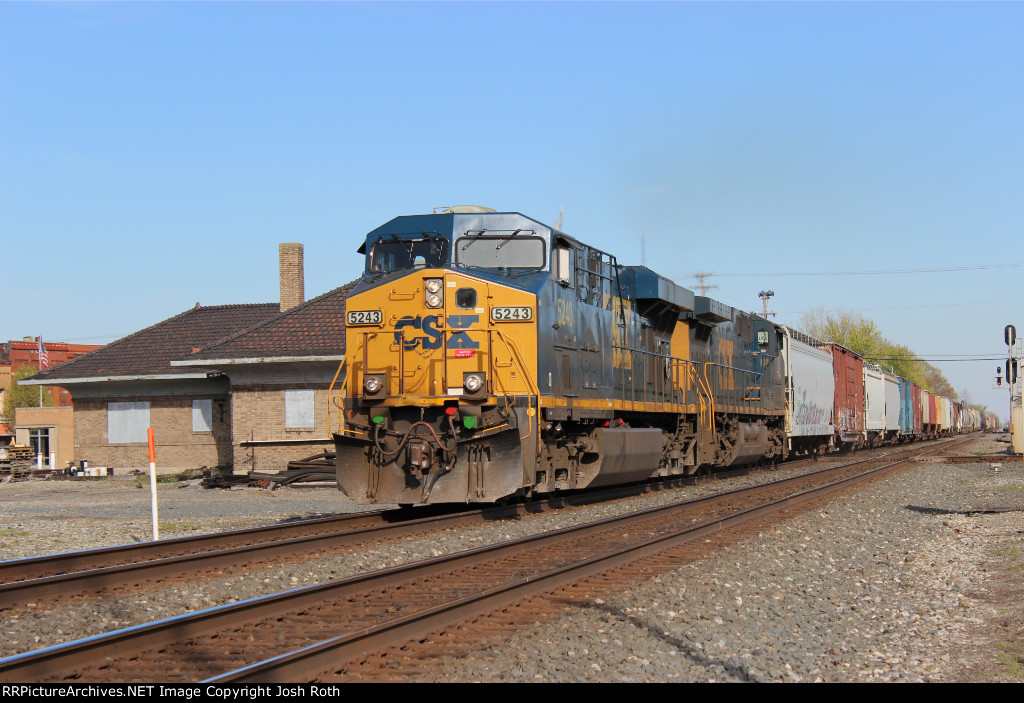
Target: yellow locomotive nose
436, 380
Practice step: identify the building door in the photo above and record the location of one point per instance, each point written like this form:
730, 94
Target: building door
39, 440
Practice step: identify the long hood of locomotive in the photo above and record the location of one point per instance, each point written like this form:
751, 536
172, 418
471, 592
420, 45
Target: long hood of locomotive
424, 353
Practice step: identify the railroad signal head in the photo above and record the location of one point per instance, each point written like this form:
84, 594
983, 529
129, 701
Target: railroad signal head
1011, 370
1010, 335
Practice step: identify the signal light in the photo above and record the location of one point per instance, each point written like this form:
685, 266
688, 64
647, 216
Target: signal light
1011, 370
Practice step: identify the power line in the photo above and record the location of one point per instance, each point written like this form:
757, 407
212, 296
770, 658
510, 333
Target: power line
877, 273
917, 307
945, 361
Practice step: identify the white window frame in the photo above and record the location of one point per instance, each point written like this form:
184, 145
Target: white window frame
128, 422
202, 415
300, 409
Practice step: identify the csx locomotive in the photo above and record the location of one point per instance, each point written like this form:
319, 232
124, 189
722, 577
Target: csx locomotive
489, 356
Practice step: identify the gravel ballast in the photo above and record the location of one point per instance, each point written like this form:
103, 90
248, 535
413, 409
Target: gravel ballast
910, 579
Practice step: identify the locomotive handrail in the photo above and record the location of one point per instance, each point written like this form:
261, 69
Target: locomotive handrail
693, 380
732, 391
510, 346
331, 398
514, 351
708, 401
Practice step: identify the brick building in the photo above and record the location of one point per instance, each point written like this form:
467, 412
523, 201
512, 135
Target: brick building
280, 371
15, 355
125, 387
44, 430
50, 431
243, 386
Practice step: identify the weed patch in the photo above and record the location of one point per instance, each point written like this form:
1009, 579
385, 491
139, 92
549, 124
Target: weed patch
1013, 554
186, 475
1012, 658
10, 532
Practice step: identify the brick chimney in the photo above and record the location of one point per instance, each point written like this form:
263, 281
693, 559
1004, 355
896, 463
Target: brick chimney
293, 287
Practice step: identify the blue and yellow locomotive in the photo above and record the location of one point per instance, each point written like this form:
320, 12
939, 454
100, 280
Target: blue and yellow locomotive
489, 356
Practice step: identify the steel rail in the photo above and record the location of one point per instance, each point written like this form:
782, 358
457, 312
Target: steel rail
129, 642
78, 573
90, 571
93, 580
324, 656
30, 567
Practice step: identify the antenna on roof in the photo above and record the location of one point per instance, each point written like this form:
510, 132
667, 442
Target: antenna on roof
561, 214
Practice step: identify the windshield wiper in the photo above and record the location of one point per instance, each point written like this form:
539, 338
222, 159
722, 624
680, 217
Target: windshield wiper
437, 240
507, 240
473, 240
404, 242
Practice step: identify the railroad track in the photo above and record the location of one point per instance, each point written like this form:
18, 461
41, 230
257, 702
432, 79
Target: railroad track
104, 572
316, 632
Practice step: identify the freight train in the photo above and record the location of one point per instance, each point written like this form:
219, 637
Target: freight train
490, 357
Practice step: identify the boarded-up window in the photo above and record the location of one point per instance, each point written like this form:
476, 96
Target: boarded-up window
298, 409
127, 422
202, 415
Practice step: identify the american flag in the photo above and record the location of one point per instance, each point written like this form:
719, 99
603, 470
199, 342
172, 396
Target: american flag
44, 361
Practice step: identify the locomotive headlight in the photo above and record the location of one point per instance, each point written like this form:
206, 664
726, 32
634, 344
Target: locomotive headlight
434, 296
473, 383
372, 384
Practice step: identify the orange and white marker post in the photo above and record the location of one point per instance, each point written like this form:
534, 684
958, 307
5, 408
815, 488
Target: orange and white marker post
152, 485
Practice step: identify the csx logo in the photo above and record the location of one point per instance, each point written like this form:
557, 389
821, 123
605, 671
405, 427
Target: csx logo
432, 335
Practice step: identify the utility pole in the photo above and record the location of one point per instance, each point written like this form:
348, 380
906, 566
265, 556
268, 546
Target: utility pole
764, 295
702, 278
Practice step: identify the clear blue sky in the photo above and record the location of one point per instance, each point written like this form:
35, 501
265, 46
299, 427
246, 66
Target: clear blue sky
152, 155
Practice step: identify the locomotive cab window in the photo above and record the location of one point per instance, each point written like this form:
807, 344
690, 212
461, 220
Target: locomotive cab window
516, 249
465, 298
397, 254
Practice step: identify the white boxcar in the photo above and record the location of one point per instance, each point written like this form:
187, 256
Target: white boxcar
810, 393
874, 403
945, 415
892, 405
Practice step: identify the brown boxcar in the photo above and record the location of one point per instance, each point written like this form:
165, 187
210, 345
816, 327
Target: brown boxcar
848, 411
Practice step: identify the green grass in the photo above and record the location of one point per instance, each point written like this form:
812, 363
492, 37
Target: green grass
1012, 487
186, 475
1013, 554
10, 532
1012, 658
180, 526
